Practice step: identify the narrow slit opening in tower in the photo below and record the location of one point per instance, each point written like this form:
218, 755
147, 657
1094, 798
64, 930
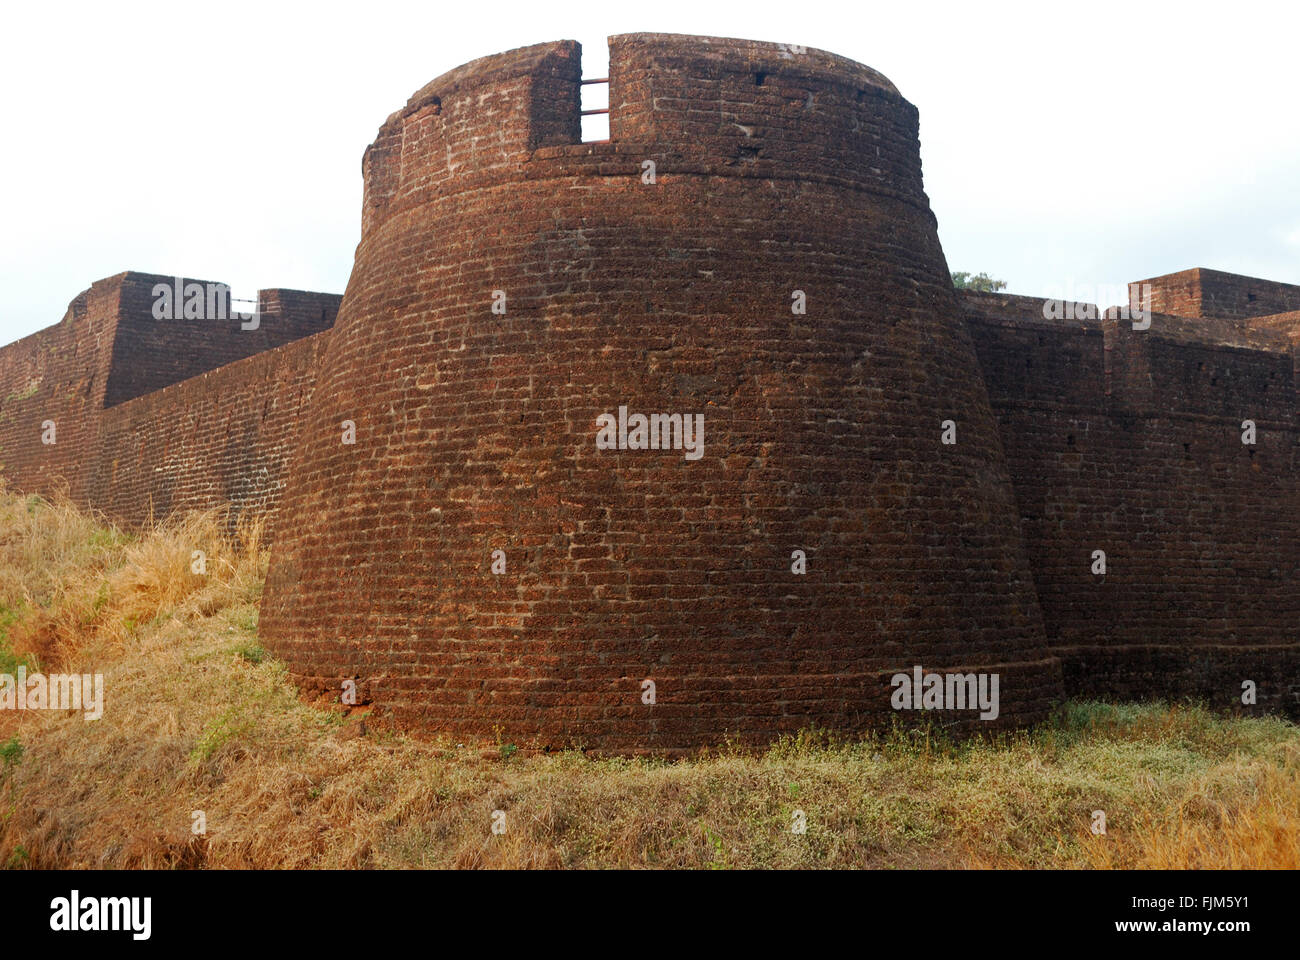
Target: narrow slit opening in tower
594, 102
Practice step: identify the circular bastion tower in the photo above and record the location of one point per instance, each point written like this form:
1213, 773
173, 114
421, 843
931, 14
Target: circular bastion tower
480, 531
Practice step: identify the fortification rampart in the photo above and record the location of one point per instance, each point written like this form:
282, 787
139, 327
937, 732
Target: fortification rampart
656, 273
1213, 294
139, 415
52, 389
1131, 442
217, 440
753, 246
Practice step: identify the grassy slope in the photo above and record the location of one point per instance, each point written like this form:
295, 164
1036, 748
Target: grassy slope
199, 718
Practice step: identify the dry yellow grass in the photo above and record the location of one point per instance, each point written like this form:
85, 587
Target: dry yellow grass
70, 584
1258, 827
197, 718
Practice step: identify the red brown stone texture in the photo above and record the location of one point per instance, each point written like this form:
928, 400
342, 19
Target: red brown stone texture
1217, 295
774, 171
218, 439
657, 272
152, 416
1131, 442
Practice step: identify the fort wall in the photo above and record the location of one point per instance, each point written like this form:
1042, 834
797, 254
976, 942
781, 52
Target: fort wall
1214, 294
1130, 442
156, 415
218, 440
769, 173
512, 285
58, 376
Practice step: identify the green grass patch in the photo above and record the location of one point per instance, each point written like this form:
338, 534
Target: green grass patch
230, 725
251, 651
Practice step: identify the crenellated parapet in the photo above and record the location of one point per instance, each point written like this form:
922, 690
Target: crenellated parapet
473, 127
691, 105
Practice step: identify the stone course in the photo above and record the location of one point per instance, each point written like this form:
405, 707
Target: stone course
513, 284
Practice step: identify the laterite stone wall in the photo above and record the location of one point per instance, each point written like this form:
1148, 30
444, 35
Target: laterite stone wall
217, 440
154, 416
1130, 442
151, 353
57, 376
475, 431
752, 245
1217, 295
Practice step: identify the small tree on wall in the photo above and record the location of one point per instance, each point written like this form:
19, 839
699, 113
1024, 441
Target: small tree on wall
979, 283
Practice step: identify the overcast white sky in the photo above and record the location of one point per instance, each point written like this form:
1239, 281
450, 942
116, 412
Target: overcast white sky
1086, 144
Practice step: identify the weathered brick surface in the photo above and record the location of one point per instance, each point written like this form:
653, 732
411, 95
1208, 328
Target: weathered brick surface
149, 353
57, 374
134, 451
775, 170
1214, 294
1131, 442
217, 440
774, 173
1287, 324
